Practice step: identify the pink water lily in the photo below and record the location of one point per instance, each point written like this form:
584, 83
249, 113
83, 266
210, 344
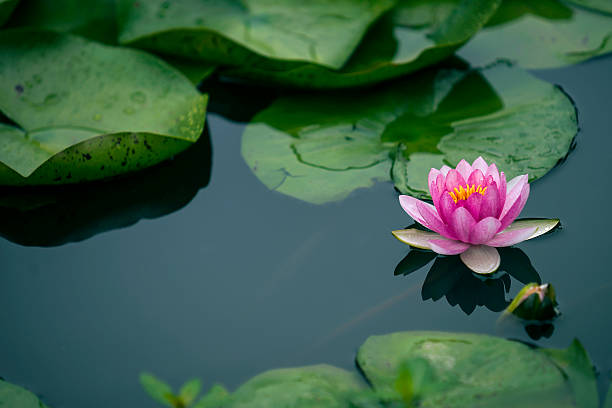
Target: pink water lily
472, 213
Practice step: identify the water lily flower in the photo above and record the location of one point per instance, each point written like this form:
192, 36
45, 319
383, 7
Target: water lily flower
474, 211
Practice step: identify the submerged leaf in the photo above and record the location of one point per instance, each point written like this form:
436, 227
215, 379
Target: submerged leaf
86, 111
189, 391
540, 34
6, 9
214, 398
320, 147
470, 369
157, 389
250, 32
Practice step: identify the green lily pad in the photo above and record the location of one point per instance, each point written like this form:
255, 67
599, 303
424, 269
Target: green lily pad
318, 386
12, 396
241, 33
471, 370
577, 366
540, 34
320, 147
83, 111
416, 34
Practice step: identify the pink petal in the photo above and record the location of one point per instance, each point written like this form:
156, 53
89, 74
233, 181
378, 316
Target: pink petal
513, 191
461, 222
409, 204
516, 208
448, 246
432, 219
476, 178
446, 207
464, 169
444, 170
490, 202
436, 188
493, 172
454, 179
484, 230
511, 237
480, 164
472, 204
433, 175
501, 191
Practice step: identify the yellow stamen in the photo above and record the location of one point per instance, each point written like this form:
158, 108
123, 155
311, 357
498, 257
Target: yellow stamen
464, 193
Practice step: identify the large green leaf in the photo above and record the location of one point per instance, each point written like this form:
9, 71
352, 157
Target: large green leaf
320, 147
51, 216
577, 366
242, 32
318, 386
471, 370
12, 396
6, 9
540, 34
416, 34
86, 111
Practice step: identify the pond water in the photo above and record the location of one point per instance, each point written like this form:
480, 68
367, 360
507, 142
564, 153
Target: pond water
242, 279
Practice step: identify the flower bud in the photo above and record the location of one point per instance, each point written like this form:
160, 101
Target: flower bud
535, 302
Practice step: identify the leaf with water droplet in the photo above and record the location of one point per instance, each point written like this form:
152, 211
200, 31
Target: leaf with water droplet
90, 100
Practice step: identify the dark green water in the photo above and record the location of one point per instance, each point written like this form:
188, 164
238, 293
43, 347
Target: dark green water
242, 279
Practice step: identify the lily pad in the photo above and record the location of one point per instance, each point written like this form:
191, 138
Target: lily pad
318, 386
12, 396
83, 111
52, 216
320, 147
414, 35
472, 370
250, 32
540, 34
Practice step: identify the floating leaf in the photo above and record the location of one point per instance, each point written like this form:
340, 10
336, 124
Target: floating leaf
471, 370
416, 34
320, 147
540, 34
576, 364
86, 111
317, 386
12, 396
51, 216
250, 32
157, 389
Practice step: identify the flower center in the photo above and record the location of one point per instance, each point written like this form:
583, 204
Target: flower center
464, 193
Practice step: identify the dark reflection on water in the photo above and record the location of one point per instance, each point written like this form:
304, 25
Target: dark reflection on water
58, 215
449, 277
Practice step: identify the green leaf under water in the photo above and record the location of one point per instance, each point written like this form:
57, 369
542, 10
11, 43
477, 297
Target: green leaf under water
414, 35
12, 396
250, 32
540, 34
471, 370
318, 386
86, 111
6, 9
157, 389
321, 147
